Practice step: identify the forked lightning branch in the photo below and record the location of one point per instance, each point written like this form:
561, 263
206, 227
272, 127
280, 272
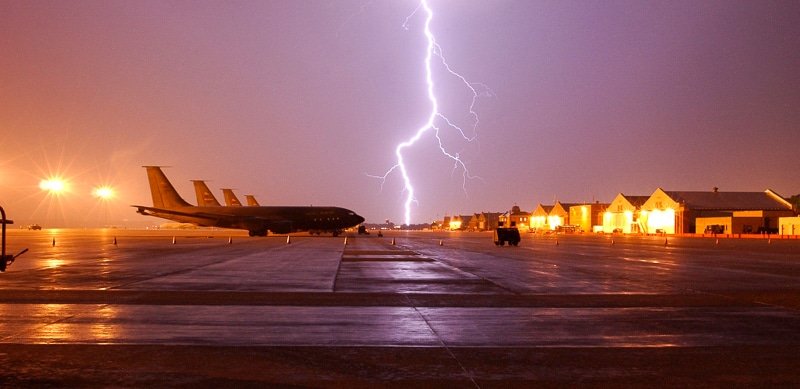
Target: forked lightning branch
436, 119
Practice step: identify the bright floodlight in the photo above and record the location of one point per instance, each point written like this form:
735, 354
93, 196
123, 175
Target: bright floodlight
53, 185
103, 192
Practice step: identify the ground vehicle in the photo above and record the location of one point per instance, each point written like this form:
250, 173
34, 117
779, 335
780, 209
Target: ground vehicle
362, 230
503, 235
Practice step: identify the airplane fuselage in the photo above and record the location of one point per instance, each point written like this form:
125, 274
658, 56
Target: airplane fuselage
258, 220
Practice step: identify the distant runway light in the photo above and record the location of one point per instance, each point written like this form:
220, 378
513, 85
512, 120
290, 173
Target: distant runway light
53, 185
103, 192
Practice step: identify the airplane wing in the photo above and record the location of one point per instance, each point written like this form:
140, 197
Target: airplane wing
150, 211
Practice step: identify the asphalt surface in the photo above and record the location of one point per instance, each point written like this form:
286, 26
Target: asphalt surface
98, 308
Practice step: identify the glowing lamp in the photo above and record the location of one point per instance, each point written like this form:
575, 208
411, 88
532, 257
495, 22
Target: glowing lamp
53, 185
103, 192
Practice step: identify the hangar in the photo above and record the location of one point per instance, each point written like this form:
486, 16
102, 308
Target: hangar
686, 212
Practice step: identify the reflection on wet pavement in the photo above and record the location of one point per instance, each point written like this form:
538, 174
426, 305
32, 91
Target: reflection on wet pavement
318, 292
398, 326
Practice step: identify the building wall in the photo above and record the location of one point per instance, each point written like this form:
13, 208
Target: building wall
769, 219
789, 225
742, 224
748, 213
618, 216
661, 214
730, 224
523, 221
558, 216
556, 219
460, 222
772, 218
725, 222
516, 218
659, 221
622, 221
492, 221
475, 222
539, 219
539, 223
586, 216
520, 221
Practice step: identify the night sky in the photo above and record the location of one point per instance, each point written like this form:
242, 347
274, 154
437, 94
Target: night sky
299, 102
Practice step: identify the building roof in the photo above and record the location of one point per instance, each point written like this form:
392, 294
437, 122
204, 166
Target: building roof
489, 214
564, 206
730, 201
636, 201
595, 204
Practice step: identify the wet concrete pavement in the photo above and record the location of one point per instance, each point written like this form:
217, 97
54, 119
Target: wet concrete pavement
433, 309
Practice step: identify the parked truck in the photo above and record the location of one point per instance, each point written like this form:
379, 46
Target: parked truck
504, 234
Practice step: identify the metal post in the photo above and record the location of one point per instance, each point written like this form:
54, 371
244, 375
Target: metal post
4, 261
3, 222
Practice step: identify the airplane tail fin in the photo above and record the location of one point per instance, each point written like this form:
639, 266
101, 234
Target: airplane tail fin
204, 196
164, 194
251, 201
230, 198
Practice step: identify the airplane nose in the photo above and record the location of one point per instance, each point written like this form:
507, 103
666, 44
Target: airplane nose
358, 219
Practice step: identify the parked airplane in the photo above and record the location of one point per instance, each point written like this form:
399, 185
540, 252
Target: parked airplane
230, 199
168, 204
251, 201
204, 196
207, 199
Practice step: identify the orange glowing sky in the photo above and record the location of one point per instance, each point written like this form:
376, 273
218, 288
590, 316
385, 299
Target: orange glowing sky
297, 102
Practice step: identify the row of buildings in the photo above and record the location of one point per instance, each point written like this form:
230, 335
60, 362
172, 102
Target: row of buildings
662, 212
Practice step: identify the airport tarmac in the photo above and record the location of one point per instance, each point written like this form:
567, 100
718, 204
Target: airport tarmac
130, 308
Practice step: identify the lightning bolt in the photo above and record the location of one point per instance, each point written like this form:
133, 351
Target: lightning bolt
434, 50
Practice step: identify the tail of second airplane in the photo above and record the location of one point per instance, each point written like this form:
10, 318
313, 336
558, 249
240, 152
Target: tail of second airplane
251, 201
204, 196
230, 198
164, 194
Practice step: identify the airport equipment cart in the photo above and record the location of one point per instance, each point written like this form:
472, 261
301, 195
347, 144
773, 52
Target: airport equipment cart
503, 235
